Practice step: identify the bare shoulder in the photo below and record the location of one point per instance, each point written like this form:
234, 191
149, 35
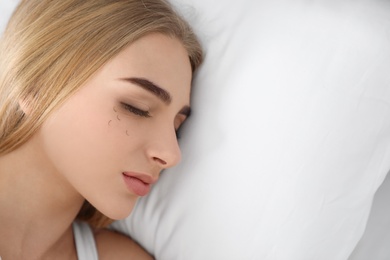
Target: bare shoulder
113, 245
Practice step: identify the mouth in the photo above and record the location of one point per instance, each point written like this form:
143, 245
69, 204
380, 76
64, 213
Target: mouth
138, 183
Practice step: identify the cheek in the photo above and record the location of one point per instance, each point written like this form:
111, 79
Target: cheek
83, 139
72, 139
79, 139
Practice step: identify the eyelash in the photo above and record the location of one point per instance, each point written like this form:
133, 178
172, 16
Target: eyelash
136, 111
142, 113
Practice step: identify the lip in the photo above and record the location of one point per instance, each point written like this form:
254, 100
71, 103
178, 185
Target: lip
138, 183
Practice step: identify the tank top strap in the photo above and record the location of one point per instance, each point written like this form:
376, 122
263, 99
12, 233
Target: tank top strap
85, 241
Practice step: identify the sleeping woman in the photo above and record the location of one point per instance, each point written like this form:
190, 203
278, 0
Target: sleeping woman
92, 93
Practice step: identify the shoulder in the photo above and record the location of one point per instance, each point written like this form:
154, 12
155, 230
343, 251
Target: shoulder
113, 245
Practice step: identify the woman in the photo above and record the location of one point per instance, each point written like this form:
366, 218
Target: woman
91, 95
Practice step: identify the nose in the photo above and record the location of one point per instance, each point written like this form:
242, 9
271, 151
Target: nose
164, 150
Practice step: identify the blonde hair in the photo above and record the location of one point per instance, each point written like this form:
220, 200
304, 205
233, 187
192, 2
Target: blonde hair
50, 48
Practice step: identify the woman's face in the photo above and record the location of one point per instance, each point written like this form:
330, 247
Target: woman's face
111, 139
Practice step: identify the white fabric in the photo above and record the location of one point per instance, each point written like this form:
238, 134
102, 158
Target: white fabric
290, 135
85, 241
6, 8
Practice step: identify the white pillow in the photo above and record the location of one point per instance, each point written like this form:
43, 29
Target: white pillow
6, 9
289, 138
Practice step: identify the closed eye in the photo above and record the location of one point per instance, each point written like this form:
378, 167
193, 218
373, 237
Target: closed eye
136, 111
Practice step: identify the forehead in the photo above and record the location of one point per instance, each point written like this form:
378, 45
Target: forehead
158, 58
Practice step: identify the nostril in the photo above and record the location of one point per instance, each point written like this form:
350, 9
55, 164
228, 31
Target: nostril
162, 162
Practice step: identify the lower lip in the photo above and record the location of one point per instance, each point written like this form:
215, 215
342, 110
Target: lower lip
136, 185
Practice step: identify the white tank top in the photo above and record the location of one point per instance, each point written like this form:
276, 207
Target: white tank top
85, 241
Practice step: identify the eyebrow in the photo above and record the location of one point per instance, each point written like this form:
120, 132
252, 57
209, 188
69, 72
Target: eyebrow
158, 92
152, 88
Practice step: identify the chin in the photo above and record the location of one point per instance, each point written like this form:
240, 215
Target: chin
120, 211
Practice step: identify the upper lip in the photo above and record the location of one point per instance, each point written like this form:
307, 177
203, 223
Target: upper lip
146, 178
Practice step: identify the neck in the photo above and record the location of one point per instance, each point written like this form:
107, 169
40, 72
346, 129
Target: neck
37, 205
